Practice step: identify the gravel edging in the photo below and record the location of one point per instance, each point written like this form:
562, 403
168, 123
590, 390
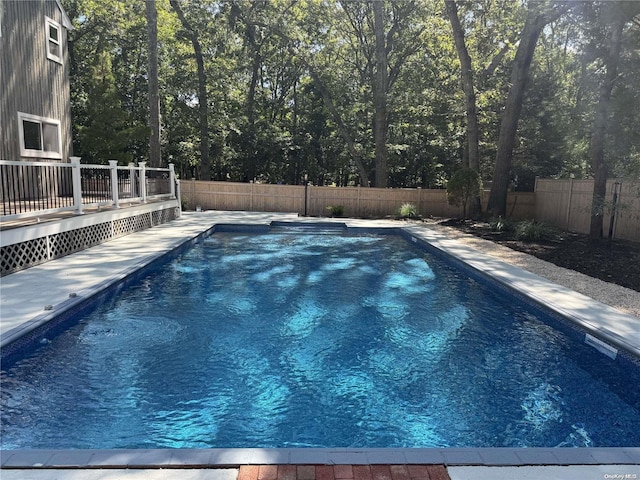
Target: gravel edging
620, 298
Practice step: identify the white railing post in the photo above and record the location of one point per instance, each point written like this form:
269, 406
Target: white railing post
76, 181
179, 197
132, 179
143, 181
172, 180
113, 169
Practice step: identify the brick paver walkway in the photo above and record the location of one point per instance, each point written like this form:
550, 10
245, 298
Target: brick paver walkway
343, 472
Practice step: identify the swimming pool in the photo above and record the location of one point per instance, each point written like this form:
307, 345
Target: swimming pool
403, 372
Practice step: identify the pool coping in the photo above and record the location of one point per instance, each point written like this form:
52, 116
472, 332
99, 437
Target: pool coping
527, 283
234, 457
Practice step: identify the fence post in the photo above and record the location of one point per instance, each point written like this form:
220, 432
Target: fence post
613, 221
113, 170
568, 217
76, 182
172, 180
143, 181
306, 196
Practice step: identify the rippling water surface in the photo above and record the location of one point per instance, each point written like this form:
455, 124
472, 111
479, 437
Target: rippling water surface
314, 340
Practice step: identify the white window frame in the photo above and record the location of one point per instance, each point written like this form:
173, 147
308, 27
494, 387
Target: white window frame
30, 152
49, 22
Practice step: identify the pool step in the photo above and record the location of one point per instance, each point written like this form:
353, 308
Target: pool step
303, 227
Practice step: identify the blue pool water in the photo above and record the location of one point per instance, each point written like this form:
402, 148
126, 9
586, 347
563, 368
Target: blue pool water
315, 340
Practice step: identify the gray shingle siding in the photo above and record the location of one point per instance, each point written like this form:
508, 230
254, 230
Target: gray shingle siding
30, 82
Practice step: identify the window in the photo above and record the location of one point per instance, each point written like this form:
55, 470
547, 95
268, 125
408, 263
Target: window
39, 136
54, 47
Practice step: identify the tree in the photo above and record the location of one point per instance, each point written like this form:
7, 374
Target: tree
256, 30
397, 36
473, 134
538, 16
463, 187
203, 107
107, 134
615, 19
108, 82
380, 91
155, 156
342, 127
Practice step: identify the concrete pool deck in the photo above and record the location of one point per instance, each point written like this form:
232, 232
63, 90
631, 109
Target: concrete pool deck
30, 297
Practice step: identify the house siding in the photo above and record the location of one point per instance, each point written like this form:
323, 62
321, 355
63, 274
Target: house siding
29, 81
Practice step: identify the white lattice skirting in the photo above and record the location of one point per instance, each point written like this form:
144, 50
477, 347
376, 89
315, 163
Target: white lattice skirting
47, 244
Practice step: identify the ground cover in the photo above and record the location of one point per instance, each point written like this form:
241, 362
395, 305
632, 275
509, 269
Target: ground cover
618, 262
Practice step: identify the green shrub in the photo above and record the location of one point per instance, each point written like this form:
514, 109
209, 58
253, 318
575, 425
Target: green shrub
499, 224
336, 210
462, 187
408, 210
532, 231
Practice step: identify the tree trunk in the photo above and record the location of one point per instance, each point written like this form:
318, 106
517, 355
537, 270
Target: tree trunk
534, 24
381, 120
203, 99
155, 159
598, 163
251, 115
473, 141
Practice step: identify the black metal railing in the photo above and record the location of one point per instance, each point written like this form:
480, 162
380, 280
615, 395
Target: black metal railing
158, 181
128, 180
35, 186
96, 185
29, 189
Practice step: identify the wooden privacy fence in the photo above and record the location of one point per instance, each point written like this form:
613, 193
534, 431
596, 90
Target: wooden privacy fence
357, 201
566, 204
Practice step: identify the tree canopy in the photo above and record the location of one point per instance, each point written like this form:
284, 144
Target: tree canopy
356, 92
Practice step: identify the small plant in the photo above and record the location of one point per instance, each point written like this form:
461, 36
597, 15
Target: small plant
408, 210
499, 224
336, 210
532, 231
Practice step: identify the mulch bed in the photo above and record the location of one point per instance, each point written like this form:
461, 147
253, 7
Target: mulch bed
616, 262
